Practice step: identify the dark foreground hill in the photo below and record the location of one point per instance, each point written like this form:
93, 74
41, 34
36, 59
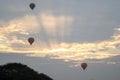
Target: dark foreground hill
18, 71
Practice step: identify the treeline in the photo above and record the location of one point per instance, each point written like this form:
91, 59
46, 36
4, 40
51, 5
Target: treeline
18, 71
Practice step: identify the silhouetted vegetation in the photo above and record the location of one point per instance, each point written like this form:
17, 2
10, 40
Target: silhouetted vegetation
18, 71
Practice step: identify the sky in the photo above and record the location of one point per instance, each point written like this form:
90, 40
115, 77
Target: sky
66, 33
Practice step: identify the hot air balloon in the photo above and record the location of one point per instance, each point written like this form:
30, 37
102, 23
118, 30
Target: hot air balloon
32, 6
84, 66
31, 40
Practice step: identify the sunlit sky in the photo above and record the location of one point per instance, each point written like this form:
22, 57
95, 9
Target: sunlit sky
73, 31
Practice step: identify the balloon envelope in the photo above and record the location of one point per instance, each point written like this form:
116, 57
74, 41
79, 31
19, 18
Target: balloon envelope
32, 6
31, 40
84, 66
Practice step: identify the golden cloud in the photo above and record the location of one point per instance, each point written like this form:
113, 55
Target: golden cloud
14, 35
17, 31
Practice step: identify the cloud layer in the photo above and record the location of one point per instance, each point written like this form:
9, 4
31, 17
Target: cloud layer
48, 31
44, 27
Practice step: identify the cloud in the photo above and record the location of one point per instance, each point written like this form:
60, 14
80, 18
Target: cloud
46, 28
83, 51
45, 24
22, 25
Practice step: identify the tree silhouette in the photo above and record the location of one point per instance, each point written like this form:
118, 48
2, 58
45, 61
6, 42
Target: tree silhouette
18, 71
